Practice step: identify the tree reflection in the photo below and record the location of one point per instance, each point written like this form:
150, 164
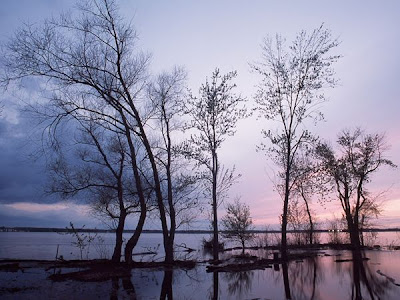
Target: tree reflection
304, 279
365, 282
127, 286
286, 280
215, 286
166, 288
307, 280
239, 282
114, 289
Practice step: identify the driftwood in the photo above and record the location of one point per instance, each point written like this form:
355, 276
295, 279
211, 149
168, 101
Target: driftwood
246, 263
144, 253
350, 259
240, 267
187, 249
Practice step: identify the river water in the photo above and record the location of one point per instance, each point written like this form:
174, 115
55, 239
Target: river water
321, 277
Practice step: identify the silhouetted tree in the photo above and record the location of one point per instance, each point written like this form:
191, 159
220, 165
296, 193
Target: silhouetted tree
237, 222
298, 221
180, 190
309, 183
98, 170
291, 92
91, 61
214, 115
360, 155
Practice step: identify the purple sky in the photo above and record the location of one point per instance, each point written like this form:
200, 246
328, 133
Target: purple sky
202, 35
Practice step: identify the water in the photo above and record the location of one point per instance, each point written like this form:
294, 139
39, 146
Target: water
43, 245
320, 277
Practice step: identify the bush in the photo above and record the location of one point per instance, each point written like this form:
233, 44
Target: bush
208, 244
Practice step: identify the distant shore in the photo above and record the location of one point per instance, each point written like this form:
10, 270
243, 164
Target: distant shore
54, 229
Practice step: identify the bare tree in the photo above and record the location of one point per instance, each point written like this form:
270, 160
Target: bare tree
91, 61
100, 171
370, 211
309, 184
360, 156
291, 92
237, 222
180, 190
298, 221
214, 116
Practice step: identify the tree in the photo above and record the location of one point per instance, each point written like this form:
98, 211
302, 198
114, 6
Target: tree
291, 92
309, 183
98, 170
350, 170
178, 187
297, 221
91, 62
214, 115
237, 222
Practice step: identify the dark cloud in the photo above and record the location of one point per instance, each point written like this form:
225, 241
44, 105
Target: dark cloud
21, 178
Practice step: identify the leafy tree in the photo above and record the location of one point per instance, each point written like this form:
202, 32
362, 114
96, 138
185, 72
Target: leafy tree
237, 222
350, 169
214, 115
291, 92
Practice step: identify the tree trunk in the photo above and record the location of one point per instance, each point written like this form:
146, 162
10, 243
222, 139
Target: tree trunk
139, 188
362, 230
169, 250
215, 207
243, 247
285, 205
284, 224
116, 257
170, 237
311, 233
135, 237
354, 233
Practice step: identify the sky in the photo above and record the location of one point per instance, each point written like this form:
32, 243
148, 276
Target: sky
203, 35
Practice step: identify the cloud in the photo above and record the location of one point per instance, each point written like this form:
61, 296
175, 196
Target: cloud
58, 214
38, 207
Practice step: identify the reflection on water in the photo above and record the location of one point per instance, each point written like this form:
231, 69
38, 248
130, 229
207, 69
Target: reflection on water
329, 275
354, 277
239, 283
166, 288
127, 292
285, 275
367, 284
215, 286
321, 277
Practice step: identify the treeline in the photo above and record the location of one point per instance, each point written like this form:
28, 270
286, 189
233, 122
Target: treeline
55, 229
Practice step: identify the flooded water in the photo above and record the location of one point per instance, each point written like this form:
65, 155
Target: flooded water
317, 278
46, 245
329, 275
